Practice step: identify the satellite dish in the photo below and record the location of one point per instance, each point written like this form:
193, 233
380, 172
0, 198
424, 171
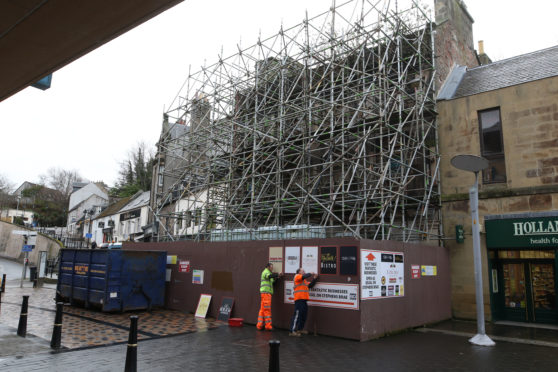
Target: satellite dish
471, 163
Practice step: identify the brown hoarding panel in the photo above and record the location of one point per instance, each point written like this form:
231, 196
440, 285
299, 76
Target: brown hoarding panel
233, 269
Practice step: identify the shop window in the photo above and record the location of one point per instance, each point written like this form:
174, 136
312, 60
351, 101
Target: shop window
492, 146
524, 254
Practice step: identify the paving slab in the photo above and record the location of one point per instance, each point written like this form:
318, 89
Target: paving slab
172, 340
84, 328
246, 349
11, 345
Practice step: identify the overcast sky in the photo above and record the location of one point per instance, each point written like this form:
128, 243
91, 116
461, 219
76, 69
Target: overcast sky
103, 104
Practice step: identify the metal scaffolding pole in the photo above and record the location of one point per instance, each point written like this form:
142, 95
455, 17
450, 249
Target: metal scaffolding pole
325, 129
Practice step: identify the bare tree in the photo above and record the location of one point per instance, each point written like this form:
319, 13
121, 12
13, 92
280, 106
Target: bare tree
61, 179
6, 188
5, 185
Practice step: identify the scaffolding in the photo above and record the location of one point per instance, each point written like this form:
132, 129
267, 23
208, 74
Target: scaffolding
325, 129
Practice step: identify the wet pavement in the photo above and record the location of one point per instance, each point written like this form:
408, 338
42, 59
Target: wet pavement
89, 328
172, 340
522, 333
246, 349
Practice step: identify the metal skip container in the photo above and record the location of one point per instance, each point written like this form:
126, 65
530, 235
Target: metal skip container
115, 280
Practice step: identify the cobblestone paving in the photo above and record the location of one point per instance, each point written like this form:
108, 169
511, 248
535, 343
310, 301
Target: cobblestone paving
89, 328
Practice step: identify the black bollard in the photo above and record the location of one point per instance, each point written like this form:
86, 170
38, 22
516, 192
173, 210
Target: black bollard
132, 352
274, 355
3, 283
22, 326
57, 330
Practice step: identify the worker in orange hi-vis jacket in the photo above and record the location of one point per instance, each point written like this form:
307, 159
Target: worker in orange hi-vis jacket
268, 278
301, 296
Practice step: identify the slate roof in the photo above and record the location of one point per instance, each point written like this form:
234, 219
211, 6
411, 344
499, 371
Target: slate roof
138, 200
509, 72
113, 208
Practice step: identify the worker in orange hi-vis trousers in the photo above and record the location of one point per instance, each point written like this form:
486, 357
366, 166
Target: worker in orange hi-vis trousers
268, 278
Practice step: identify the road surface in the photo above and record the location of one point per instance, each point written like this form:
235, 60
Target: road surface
11, 269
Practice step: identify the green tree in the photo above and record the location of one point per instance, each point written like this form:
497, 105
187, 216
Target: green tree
135, 172
48, 205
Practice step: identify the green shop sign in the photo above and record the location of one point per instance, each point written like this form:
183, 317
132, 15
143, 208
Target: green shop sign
522, 232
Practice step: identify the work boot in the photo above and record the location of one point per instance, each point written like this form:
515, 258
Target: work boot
295, 334
303, 332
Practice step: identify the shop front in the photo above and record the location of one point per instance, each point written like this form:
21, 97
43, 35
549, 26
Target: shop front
522, 261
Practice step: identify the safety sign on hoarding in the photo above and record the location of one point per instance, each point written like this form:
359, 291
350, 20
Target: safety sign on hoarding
339, 296
415, 271
382, 274
184, 266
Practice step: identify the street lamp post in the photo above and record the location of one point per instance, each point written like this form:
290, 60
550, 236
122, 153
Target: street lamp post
91, 212
475, 164
17, 208
85, 213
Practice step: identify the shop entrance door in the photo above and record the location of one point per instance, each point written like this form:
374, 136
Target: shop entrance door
528, 289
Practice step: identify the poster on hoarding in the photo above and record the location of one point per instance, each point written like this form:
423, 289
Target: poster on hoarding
310, 259
197, 277
382, 274
348, 261
428, 270
276, 258
415, 271
328, 260
183, 266
335, 295
292, 259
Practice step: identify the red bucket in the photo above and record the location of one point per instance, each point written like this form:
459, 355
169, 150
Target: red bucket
235, 322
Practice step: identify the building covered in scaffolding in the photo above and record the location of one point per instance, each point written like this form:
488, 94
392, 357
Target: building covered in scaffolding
326, 129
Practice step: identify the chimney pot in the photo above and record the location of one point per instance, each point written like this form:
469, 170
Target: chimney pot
481, 47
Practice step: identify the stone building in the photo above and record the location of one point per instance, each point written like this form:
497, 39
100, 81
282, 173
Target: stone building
506, 112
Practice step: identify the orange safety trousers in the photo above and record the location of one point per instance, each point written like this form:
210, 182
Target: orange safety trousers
264, 317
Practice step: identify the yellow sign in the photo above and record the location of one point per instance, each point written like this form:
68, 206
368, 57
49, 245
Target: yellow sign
426, 270
203, 305
81, 269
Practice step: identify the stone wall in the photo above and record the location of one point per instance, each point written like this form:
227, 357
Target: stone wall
529, 116
454, 38
11, 244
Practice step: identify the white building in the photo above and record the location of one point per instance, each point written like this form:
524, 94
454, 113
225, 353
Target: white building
10, 214
85, 203
122, 220
133, 216
195, 215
